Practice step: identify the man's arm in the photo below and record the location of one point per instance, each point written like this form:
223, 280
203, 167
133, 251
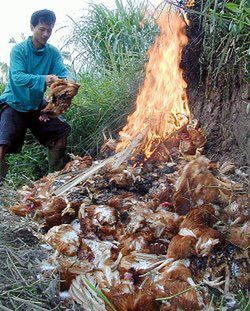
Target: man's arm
19, 73
22, 78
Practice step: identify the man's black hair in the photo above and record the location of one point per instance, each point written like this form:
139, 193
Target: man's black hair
43, 16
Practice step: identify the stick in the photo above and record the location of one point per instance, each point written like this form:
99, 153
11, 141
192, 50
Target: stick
178, 294
117, 160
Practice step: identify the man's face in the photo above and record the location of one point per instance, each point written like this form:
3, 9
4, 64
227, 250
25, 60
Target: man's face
41, 33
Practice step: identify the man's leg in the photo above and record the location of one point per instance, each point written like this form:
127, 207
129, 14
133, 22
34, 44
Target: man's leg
52, 134
3, 163
56, 155
12, 131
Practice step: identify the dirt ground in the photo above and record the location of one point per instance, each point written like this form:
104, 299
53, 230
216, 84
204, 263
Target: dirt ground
226, 124
21, 287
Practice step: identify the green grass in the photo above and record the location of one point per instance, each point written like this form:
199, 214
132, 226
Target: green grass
225, 41
112, 40
26, 167
103, 104
2, 87
241, 299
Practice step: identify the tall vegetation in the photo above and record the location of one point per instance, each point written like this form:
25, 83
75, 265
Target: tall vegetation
226, 38
113, 39
111, 49
101, 107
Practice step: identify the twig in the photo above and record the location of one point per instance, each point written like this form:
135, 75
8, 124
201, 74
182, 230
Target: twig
178, 294
19, 288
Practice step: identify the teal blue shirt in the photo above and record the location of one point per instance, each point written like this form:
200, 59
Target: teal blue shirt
28, 69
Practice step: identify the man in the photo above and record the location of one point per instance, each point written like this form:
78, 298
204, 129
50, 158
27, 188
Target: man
34, 64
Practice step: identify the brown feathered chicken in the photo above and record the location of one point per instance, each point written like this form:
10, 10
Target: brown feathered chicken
139, 300
191, 141
164, 223
240, 235
197, 185
21, 210
97, 219
138, 241
60, 97
64, 239
174, 279
53, 214
199, 216
181, 247
78, 163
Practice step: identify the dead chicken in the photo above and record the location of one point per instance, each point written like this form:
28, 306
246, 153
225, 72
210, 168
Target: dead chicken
82, 291
60, 96
181, 247
191, 142
237, 211
207, 239
240, 235
195, 236
165, 224
201, 215
197, 185
122, 200
64, 239
21, 210
97, 219
138, 241
108, 147
78, 163
56, 212
137, 300
176, 278
30, 206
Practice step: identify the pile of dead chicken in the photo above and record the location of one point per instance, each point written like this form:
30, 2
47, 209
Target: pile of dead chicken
156, 237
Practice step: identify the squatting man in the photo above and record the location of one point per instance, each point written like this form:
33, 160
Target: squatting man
34, 65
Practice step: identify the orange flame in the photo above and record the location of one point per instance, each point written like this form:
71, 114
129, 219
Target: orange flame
161, 105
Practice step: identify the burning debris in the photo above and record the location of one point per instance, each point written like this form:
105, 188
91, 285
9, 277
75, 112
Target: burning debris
149, 232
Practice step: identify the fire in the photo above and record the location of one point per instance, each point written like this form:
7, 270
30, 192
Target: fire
161, 105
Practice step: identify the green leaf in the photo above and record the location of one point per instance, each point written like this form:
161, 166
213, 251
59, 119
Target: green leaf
233, 7
99, 293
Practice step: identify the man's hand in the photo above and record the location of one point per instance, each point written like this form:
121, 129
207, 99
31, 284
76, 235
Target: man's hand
50, 79
44, 118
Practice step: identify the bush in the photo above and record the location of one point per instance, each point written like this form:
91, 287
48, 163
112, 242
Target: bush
103, 103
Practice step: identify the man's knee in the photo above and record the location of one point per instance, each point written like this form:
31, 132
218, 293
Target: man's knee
61, 142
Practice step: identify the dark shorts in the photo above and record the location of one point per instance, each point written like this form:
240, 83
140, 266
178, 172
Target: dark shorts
14, 125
